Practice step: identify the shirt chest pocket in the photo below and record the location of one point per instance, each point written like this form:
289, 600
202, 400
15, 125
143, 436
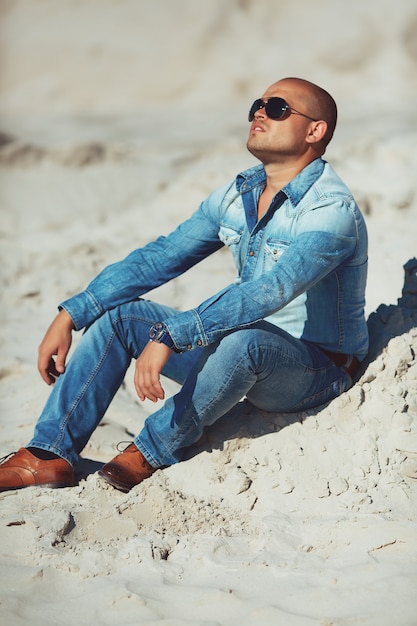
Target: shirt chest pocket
273, 251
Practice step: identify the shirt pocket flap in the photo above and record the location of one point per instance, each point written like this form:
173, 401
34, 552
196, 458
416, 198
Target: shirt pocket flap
275, 248
229, 236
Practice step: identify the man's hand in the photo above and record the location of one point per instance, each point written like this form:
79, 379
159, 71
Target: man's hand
56, 343
148, 371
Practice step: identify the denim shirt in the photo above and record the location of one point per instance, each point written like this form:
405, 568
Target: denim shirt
302, 266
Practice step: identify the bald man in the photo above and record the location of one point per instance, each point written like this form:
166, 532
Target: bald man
288, 334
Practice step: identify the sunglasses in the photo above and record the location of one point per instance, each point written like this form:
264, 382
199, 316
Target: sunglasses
275, 108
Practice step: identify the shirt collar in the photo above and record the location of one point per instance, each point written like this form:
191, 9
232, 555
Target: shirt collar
296, 188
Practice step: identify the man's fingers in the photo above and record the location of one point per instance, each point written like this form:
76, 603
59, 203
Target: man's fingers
60, 362
148, 386
48, 372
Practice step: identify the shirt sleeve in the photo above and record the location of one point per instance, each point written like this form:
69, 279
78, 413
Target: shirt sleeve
146, 268
321, 245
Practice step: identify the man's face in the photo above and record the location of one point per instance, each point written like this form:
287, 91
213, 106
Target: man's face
280, 140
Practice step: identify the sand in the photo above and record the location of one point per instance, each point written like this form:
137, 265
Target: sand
116, 120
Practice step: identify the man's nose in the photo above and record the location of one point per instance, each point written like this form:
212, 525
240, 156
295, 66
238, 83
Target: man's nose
260, 113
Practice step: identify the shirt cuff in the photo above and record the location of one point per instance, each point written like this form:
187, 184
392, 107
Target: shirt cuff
187, 331
82, 308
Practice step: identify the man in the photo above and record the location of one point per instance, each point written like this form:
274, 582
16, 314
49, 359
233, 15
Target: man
287, 335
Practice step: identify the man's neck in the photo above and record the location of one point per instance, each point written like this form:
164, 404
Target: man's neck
278, 175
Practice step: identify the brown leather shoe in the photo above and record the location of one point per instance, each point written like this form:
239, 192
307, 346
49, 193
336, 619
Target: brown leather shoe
127, 469
23, 469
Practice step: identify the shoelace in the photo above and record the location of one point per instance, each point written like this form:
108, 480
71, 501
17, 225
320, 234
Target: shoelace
121, 443
4, 458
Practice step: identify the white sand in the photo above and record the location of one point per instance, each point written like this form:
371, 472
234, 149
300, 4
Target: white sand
124, 116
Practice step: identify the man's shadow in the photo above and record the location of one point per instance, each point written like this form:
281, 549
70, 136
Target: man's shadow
245, 421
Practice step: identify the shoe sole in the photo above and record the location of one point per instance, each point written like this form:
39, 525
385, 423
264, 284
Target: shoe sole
114, 483
48, 485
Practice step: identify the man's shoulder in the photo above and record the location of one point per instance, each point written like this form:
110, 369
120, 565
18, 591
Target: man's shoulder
330, 182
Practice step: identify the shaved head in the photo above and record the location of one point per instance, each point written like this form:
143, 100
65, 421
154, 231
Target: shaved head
317, 102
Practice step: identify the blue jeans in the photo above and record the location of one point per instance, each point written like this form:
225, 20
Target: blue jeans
275, 371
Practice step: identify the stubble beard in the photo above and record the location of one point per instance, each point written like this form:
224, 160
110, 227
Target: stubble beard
267, 154
258, 151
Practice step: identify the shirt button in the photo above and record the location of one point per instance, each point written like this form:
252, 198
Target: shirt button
251, 253
199, 342
189, 346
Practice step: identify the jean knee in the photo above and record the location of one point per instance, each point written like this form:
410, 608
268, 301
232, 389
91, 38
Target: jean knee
242, 344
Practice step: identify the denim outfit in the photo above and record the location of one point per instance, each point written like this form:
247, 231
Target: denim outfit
300, 288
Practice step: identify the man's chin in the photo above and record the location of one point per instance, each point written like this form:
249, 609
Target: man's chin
256, 151
252, 149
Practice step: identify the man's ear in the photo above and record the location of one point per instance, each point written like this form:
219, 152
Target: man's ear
316, 132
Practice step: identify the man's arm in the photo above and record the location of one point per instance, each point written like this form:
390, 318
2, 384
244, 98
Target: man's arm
237, 306
312, 256
149, 267
141, 271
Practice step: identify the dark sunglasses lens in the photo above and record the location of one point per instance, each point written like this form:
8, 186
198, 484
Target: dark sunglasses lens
258, 104
275, 108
